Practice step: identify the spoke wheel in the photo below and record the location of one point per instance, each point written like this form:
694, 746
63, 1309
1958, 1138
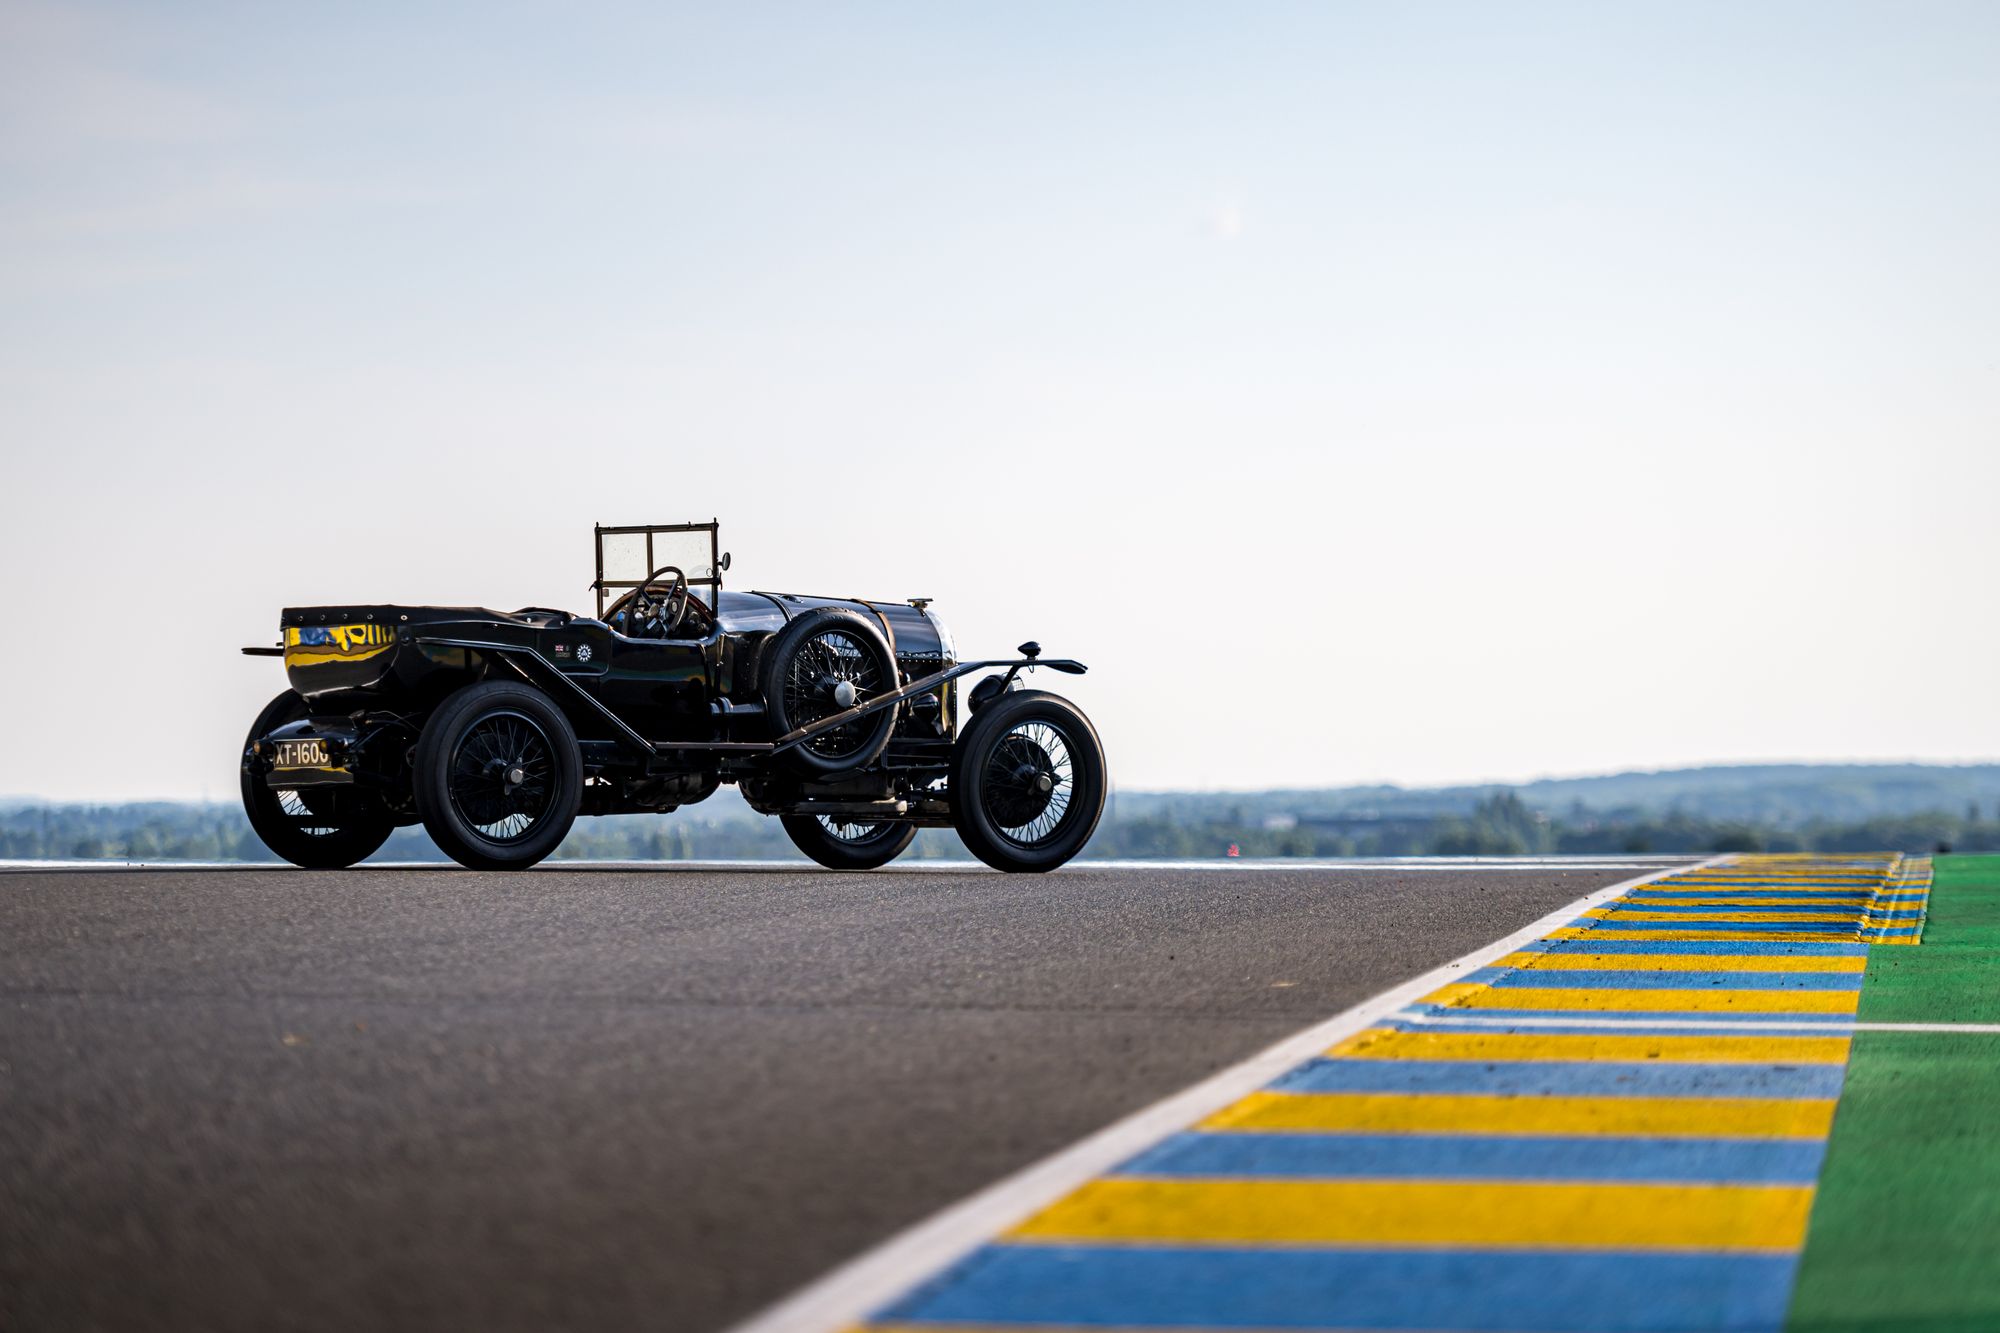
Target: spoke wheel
824, 669
843, 844
498, 776
320, 828
822, 663
502, 776
317, 814
1028, 782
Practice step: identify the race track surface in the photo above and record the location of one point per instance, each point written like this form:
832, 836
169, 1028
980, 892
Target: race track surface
599, 1098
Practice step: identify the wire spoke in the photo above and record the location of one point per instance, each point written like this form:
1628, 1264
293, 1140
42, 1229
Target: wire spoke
823, 662
482, 783
850, 831
1029, 782
299, 811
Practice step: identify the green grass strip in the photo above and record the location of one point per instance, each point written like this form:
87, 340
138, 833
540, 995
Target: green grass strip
1905, 1230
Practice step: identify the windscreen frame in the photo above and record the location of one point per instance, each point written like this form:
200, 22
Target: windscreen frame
610, 590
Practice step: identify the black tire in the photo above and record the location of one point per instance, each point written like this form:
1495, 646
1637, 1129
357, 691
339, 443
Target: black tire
803, 663
320, 828
848, 846
1004, 814
498, 776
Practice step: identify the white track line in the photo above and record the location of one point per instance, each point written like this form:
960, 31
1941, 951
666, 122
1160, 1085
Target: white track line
856, 1289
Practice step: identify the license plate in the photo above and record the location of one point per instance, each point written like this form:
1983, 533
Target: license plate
299, 754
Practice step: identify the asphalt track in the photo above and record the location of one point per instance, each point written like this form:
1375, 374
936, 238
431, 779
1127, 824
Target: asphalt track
651, 1098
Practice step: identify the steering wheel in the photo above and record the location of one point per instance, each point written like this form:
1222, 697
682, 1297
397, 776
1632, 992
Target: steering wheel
670, 610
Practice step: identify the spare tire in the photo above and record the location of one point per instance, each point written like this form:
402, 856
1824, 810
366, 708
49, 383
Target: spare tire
812, 664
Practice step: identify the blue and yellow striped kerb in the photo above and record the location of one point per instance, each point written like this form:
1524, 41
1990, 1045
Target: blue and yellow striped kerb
1618, 1127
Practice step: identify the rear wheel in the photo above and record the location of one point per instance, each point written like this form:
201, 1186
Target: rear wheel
498, 776
1028, 782
320, 828
840, 844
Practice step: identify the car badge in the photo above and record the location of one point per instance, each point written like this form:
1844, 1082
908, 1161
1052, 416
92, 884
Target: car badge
583, 652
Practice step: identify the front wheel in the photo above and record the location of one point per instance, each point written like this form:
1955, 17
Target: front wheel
1027, 782
840, 844
320, 828
498, 776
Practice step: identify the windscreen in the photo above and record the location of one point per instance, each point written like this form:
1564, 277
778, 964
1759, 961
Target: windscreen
626, 556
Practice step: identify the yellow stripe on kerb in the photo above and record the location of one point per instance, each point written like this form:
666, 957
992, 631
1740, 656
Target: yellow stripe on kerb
1873, 872
1380, 1212
1679, 962
1479, 1113
1694, 919
1694, 934
1607, 999
1802, 901
1388, 1044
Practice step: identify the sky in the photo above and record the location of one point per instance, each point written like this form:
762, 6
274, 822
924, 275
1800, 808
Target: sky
1412, 393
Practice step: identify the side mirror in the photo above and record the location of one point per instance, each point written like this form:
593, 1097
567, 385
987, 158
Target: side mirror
723, 564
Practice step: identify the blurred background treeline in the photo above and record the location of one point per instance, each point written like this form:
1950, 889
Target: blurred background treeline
1744, 808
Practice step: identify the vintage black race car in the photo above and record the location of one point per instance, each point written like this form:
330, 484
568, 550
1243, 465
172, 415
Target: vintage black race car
495, 730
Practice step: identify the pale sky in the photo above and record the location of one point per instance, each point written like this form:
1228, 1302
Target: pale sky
1421, 393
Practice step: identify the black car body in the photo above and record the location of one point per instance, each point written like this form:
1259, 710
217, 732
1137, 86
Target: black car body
494, 729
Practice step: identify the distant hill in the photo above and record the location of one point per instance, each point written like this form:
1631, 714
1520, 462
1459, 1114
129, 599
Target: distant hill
1785, 795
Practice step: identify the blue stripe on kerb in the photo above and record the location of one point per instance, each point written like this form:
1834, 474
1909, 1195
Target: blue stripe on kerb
1585, 979
1641, 1017
1483, 1157
1550, 1023
1474, 1291
1765, 881
1775, 895
1699, 926
1564, 1078
1735, 909
1719, 948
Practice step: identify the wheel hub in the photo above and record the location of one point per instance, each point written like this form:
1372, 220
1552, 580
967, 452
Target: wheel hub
1026, 781
508, 774
1035, 778
500, 780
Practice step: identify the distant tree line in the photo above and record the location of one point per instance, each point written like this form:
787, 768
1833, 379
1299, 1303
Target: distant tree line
1505, 825
1190, 828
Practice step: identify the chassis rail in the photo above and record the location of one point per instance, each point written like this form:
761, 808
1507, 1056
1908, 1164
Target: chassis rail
539, 670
